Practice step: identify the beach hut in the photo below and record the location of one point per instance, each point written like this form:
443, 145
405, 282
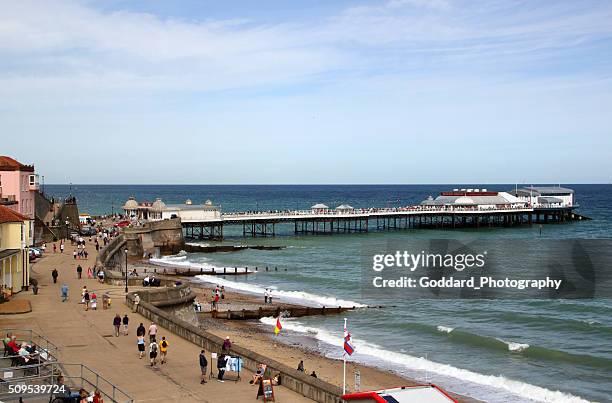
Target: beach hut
405, 394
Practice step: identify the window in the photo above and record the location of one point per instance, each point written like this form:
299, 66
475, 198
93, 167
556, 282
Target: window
32, 180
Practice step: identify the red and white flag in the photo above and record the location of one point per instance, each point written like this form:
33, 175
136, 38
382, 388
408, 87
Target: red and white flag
348, 346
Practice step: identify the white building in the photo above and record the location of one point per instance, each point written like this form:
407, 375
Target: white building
474, 198
158, 210
546, 196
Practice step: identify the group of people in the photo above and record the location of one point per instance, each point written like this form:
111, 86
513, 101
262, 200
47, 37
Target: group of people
20, 353
151, 281
300, 368
82, 396
89, 298
268, 296
155, 347
218, 293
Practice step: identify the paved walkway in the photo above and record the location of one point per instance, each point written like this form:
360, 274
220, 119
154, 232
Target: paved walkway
87, 337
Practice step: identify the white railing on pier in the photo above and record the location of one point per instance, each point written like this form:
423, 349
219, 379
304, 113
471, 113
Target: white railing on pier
368, 212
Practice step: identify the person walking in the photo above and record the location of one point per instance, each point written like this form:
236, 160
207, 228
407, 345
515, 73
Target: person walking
153, 353
266, 296
203, 366
301, 366
62, 247
54, 248
74, 255
141, 345
117, 324
136, 302
89, 273
54, 274
163, 349
64, 292
79, 270
140, 330
152, 332
125, 322
86, 299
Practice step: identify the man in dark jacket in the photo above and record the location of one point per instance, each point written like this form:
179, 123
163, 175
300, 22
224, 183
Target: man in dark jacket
203, 366
54, 274
79, 271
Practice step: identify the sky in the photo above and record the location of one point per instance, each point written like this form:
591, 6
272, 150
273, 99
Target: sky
267, 92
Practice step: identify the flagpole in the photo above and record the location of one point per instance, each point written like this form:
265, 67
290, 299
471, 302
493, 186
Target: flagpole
344, 366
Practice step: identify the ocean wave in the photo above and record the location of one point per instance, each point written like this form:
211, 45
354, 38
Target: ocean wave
513, 346
296, 297
444, 329
368, 352
181, 260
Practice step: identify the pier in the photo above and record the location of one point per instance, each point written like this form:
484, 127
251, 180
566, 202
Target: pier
459, 208
263, 224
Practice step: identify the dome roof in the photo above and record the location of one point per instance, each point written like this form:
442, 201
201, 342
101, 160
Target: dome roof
208, 202
131, 204
464, 200
158, 205
320, 206
345, 207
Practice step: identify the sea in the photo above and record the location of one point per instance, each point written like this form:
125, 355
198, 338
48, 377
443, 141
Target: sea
546, 350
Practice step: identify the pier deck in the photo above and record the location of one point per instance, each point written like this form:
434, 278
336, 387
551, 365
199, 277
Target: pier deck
364, 220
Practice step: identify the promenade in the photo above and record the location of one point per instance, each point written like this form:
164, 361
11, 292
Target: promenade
87, 337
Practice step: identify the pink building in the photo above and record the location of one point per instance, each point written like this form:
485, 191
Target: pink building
18, 184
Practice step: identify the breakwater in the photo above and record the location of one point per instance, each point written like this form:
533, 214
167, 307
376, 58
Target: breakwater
299, 382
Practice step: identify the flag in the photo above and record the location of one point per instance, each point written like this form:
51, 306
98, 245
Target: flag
278, 326
348, 347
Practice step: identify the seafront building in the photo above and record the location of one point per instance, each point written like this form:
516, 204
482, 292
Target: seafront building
15, 236
158, 210
18, 187
546, 196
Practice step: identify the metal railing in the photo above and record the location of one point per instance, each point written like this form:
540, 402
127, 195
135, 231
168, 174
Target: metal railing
76, 376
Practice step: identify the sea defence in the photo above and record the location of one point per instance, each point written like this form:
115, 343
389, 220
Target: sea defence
154, 238
174, 298
290, 378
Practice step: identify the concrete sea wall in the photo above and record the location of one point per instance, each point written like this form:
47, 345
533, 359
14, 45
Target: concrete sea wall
299, 382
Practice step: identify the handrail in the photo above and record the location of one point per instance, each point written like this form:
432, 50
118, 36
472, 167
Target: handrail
75, 376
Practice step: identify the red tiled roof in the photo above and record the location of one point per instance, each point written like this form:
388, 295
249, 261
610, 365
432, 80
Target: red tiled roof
8, 215
11, 164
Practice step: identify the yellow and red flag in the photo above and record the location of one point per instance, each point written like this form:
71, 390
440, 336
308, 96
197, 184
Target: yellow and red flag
278, 326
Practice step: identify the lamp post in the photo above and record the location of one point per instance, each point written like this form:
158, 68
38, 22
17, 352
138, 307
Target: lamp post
126, 271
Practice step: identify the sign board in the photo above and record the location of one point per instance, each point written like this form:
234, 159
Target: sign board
8, 374
357, 381
213, 356
266, 390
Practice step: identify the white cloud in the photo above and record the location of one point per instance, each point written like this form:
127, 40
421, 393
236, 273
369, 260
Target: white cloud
53, 47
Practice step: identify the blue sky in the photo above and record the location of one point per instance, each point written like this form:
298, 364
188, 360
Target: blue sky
396, 91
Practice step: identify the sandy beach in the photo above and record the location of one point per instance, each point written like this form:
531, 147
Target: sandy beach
289, 348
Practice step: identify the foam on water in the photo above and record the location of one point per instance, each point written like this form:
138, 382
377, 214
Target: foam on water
499, 388
180, 260
445, 329
296, 297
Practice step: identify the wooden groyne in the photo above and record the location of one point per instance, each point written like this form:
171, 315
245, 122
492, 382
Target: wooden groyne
286, 311
227, 248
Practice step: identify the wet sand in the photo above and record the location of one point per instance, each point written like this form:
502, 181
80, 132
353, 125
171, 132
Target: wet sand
289, 347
